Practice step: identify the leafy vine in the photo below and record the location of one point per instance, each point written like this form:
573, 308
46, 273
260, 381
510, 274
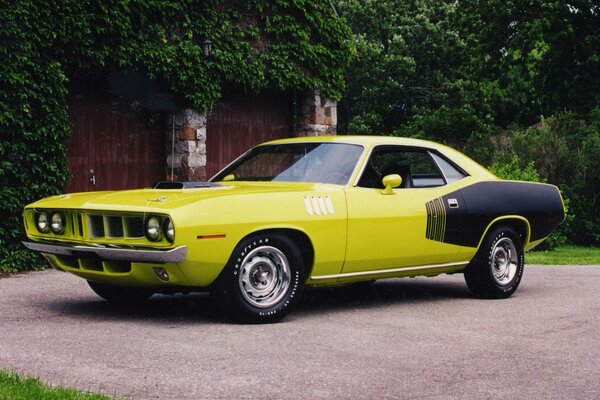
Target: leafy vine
256, 45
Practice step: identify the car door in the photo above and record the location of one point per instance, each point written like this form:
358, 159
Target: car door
402, 228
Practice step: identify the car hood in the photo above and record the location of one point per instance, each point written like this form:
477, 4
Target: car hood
163, 200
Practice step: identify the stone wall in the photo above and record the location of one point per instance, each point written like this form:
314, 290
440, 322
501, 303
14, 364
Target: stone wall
186, 160
317, 117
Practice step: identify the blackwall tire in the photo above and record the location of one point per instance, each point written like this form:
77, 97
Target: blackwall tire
262, 280
121, 295
497, 269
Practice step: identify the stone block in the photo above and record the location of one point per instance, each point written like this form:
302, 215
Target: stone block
330, 116
194, 160
185, 146
304, 119
317, 130
190, 117
311, 100
329, 103
174, 162
194, 118
319, 115
200, 136
186, 133
195, 174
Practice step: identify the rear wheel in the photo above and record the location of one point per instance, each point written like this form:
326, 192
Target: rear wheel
121, 295
497, 269
262, 280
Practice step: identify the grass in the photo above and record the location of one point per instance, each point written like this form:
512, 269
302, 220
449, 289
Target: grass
565, 255
15, 387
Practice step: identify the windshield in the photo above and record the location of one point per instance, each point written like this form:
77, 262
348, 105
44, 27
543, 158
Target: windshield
295, 162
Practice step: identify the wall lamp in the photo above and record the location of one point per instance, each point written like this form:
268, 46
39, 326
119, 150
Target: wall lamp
206, 47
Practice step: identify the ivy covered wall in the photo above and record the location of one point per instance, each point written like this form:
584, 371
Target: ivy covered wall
256, 45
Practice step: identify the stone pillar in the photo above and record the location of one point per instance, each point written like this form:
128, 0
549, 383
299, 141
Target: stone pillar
186, 154
317, 117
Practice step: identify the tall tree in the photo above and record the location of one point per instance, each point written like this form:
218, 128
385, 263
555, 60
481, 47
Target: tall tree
408, 76
533, 58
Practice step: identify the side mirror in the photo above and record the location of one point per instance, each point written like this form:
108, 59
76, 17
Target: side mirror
390, 182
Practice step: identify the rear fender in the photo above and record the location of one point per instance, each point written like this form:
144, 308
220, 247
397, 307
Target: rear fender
516, 222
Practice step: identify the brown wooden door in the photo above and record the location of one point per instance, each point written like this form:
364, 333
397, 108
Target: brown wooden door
112, 146
237, 124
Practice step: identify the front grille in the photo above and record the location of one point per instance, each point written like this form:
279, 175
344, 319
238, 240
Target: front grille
96, 226
80, 225
134, 227
115, 226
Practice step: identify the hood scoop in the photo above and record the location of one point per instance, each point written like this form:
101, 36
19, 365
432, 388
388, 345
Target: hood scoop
174, 185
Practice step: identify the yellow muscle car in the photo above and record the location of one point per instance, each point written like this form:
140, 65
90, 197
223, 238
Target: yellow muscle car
300, 212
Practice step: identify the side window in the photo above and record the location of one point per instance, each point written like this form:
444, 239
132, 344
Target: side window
451, 173
415, 166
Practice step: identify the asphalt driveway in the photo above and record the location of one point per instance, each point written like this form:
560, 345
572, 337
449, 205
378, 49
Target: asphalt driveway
423, 338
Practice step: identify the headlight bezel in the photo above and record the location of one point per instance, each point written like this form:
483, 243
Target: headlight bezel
62, 222
156, 226
38, 216
169, 230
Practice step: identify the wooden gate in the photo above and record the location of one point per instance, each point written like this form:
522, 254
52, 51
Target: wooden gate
237, 124
112, 146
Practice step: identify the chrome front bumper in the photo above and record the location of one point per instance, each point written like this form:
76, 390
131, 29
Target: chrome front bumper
175, 255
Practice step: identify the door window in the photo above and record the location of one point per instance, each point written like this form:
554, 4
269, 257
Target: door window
416, 167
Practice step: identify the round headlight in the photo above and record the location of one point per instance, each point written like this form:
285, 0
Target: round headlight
41, 222
57, 222
169, 230
153, 229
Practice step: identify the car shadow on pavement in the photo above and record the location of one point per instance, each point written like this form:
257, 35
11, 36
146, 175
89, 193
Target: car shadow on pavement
200, 307
196, 307
382, 293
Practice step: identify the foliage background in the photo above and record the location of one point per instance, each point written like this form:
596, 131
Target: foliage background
44, 44
513, 83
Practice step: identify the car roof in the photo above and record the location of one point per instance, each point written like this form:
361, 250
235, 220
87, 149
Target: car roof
366, 141
470, 166
352, 139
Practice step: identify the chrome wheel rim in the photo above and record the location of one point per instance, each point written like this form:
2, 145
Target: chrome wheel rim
264, 277
504, 261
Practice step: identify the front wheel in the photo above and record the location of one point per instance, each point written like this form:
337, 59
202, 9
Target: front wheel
497, 269
262, 280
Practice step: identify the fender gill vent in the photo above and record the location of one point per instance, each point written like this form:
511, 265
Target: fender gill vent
436, 220
319, 205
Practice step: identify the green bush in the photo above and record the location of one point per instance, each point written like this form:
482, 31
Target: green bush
513, 171
549, 146
562, 151
585, 186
